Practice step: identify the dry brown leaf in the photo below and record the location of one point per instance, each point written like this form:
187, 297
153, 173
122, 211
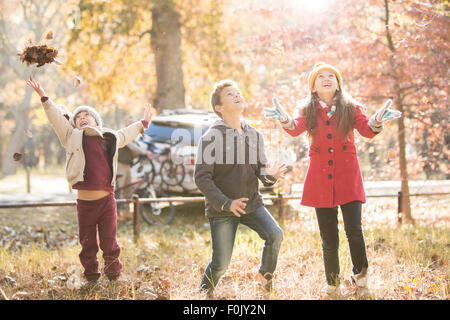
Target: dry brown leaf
77, 81
164, 282
49, 35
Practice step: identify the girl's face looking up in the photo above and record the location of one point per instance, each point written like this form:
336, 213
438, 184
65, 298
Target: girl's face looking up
326, 82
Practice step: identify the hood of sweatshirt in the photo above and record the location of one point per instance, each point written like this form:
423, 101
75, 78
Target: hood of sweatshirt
223, 127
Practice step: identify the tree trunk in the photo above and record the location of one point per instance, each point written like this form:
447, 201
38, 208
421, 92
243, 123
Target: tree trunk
166, 46
15, 143
398, 101
406, 204
1, 148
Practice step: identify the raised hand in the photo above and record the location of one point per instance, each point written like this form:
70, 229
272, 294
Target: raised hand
148, 112
385, 114
238, 206
275, 170
382, 115
277, 112
37, 87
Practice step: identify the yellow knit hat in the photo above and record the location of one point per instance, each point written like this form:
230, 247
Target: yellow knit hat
321, 66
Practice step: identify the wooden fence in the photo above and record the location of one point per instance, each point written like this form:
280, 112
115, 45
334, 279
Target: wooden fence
279, 199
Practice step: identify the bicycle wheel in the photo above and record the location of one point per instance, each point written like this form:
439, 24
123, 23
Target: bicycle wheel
153, 214
172, 174
144, 167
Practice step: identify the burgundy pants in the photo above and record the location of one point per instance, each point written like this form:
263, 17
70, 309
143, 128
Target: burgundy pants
98, 215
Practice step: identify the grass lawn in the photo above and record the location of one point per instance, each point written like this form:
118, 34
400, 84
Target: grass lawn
39, 256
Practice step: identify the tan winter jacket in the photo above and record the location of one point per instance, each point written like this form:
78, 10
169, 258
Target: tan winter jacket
72, 140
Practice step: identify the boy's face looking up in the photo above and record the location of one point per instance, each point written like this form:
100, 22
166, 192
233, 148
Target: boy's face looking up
231, 100
84, 119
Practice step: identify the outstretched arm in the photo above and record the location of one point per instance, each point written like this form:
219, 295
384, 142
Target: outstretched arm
37, 87
278, 113
292, 126
56, 117
128, 134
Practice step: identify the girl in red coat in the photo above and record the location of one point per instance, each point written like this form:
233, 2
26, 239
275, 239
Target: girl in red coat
329, 117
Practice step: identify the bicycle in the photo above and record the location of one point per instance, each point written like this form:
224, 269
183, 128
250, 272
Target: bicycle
152, 213
171, 173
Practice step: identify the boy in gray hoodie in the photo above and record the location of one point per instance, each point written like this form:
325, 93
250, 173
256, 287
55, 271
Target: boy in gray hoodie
230, 160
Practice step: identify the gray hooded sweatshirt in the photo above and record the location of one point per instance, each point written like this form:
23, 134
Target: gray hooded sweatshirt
228, 166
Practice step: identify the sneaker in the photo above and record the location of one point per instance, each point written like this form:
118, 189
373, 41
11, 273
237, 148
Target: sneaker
209, 292
265, 281
360, 279
360, 282
333, 292
91, 285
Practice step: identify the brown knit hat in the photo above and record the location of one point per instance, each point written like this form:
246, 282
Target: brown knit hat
321, 66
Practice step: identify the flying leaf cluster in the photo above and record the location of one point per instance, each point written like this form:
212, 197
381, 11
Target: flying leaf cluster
39, 54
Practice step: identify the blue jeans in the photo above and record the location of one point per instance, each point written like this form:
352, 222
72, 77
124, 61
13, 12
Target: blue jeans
223, 234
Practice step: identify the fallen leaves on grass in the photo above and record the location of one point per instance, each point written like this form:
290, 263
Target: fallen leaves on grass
21, 237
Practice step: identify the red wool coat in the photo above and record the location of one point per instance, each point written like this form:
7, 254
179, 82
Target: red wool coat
333, 177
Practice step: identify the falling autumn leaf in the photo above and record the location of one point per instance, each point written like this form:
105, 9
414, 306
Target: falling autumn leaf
49, 35
77, 81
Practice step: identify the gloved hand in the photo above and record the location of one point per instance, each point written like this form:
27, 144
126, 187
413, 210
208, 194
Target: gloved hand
278, 113
386, 114
382, 115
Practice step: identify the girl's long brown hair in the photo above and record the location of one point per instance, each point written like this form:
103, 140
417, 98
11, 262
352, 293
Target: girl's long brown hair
345, 113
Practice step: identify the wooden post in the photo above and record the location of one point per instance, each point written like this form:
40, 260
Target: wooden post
280, 207
399, 207
136, 218
27, 171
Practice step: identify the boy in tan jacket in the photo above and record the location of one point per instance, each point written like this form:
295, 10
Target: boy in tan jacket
91, 167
